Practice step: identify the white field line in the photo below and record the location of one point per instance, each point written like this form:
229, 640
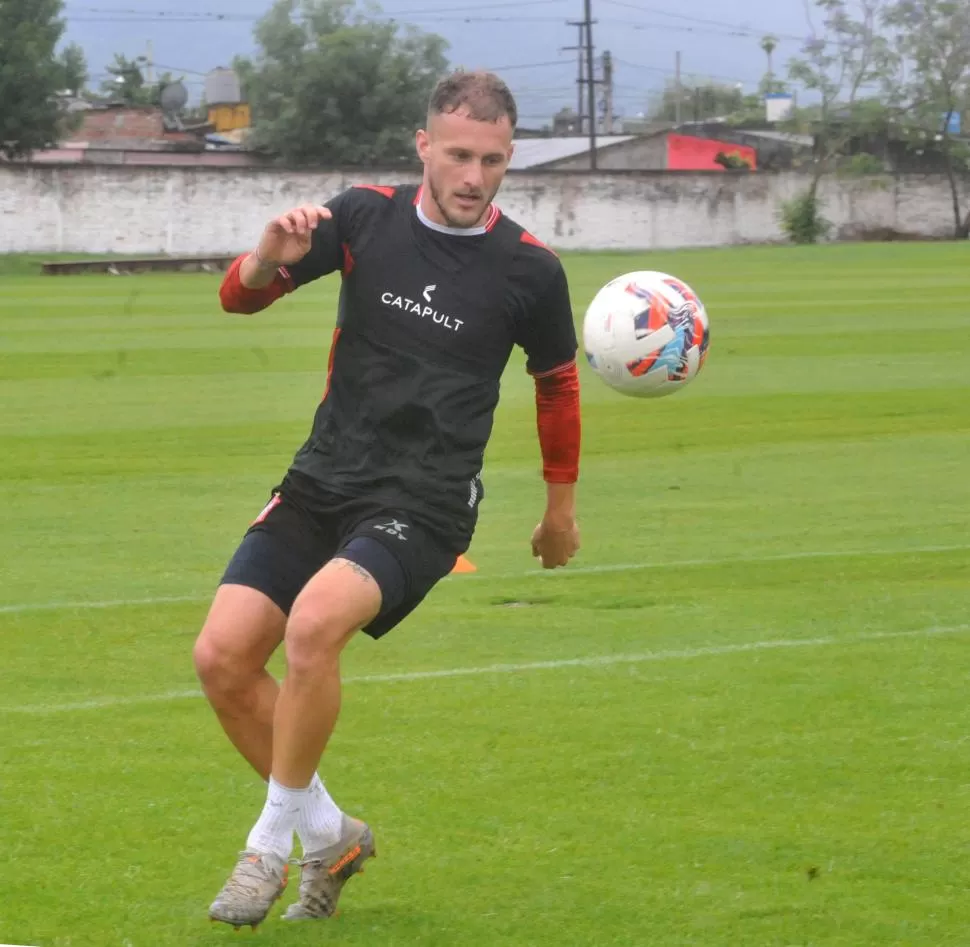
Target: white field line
605, 660
103, 603
18, 608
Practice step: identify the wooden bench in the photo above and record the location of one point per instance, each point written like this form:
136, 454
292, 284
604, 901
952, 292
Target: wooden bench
118, 266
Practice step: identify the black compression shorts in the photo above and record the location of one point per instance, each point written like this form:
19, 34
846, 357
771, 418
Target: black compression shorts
288, 543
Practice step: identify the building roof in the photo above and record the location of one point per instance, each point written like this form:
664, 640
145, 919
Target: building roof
535, 152
790, 138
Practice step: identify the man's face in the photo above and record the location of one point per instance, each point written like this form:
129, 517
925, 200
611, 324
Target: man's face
464, 163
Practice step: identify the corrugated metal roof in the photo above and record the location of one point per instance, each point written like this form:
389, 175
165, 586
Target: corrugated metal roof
789, 137
534, 152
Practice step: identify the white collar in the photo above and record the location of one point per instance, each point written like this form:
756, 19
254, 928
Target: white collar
493, 213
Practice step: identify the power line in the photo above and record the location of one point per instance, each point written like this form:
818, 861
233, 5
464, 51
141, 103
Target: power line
188, 18
507, 68
223, 19
696, 19
220, 16
217, 16
190, 72
713, 27
678, 28
528, 65
97, 14
667, 71
485, 19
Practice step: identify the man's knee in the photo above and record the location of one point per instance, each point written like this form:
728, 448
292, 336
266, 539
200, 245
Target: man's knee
314, 639
225, 674
340, 599
210, 659
227, 669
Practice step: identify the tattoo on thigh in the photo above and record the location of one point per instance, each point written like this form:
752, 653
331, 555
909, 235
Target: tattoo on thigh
355, 568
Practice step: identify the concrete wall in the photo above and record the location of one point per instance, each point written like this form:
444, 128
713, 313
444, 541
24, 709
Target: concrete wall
183, 211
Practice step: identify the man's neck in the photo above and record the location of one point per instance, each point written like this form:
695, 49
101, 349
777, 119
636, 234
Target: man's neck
430, 215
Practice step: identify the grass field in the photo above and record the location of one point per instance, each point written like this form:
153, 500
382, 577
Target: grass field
740, 718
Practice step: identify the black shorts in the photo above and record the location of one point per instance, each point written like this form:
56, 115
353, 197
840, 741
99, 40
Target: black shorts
296, 534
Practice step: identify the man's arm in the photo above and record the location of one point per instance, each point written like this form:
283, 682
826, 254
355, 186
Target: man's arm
292, 241
551, 350
556, 539
250, 286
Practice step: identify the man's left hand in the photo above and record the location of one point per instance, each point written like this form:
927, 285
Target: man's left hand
555, 542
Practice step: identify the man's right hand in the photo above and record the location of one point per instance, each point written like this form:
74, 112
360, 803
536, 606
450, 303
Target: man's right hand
285, 240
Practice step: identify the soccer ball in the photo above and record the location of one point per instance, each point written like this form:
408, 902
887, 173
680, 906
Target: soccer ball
646, 334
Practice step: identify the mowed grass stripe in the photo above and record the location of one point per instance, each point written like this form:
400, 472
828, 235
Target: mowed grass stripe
745, 422
105, 357
564, 575
117, 402
596, 661
147, 361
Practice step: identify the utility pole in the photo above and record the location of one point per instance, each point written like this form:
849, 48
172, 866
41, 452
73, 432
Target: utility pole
586, 111
607, 93
590, 82
150, 64
678, 90
580, 48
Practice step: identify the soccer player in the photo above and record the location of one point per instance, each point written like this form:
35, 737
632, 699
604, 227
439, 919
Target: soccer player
438, 287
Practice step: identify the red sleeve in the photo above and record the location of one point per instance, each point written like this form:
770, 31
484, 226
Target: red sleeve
238, 298
558, 422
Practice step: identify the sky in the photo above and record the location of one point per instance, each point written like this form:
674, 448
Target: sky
525, 40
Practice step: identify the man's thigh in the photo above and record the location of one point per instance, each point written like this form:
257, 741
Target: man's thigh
281, 551
405, 559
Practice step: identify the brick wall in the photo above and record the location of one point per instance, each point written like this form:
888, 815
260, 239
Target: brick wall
125, 125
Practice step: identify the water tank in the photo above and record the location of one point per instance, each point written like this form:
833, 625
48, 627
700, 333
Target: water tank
778, 106
222, 87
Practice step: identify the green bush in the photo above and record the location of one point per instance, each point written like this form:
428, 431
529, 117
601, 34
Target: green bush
802, 220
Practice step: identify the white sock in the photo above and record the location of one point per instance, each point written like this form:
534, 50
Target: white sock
319, 821
273, 831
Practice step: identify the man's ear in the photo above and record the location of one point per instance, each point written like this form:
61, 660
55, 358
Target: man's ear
422, 144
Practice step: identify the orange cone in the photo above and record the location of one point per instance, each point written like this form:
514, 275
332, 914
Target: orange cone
463, 565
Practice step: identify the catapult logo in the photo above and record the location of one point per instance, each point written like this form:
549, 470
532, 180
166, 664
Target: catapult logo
416, 308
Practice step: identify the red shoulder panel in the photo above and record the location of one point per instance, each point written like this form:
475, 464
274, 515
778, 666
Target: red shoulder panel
536, 242
380, 188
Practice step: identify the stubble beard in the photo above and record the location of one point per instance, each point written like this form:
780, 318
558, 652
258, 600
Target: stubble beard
448, 219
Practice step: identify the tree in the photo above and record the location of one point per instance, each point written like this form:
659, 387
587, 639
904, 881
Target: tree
331, 86
73, 69
930, 84
695, 100
839, 70
769, 44
126, 82
30, 76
